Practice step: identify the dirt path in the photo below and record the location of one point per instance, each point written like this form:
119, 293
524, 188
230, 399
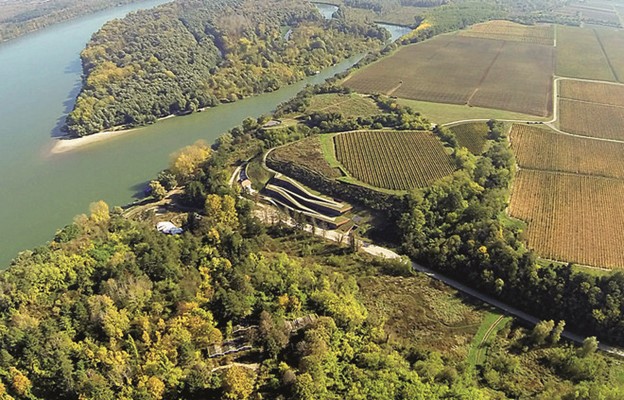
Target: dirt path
480, 348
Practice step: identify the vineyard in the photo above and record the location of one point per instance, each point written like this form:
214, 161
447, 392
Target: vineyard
395, 160
591, 119
603, 93
520, 80
571, 217
543, 149
471, 136
593, 64
507, 75
511, 31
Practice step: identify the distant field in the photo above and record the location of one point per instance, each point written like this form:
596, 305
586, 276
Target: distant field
571, 217
352, 105
395, 160
544, 149
613, 43
507, 30
591, 119
580, 55
472, 135
463, 70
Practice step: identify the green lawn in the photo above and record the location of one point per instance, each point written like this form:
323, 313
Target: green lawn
446, 113
491, 324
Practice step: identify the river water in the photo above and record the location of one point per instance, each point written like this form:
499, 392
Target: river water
396, 31
40, 192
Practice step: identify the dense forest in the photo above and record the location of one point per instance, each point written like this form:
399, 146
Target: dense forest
113, 309
191, 54
19, 17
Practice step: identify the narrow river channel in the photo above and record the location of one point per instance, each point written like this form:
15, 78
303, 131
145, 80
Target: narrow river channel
40, 192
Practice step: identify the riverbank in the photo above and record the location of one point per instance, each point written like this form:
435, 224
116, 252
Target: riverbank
66, 143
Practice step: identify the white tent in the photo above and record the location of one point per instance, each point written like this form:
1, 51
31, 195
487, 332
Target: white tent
168, 228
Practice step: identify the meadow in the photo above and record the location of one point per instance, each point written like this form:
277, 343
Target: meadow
350, 105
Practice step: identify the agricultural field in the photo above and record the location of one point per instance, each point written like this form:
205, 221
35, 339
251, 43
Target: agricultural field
504, 75
395, 160
571, 42
471, 136
306, 153
576, 218
511, 31
351, 105
613, 43
521, 79
543, 149
592, 13
603, 93
591, 119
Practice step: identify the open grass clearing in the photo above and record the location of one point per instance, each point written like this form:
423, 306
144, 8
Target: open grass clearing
447, 113
349, 105
419, 310
491, 324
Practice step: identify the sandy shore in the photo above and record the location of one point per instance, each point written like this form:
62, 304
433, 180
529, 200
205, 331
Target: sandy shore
65, 144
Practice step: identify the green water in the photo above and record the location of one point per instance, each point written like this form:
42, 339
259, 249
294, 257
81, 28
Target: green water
40, 192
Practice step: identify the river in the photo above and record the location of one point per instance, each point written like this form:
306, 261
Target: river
40, 192
396, 31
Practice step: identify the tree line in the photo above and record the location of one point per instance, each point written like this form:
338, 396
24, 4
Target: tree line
184, 56
17, 19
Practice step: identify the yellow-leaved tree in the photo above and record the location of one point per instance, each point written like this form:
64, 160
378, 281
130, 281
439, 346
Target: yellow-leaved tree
185, 161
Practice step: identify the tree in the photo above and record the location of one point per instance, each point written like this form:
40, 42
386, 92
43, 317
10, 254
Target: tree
541, 331
157, 190
556, 333
167, 179
590, 345
237, 383
99, 212
185, 162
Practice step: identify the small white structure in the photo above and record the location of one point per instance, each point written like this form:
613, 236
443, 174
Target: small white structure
168, 228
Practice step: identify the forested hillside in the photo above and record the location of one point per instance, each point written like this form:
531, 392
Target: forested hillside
181, 57
112, 309
20, 17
